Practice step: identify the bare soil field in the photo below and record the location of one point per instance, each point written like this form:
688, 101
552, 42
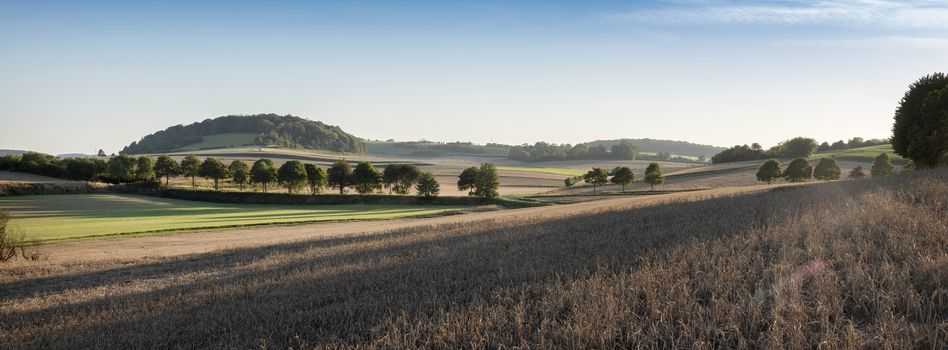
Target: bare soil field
850, 264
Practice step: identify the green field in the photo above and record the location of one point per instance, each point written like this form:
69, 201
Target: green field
558, 171
59, 217
861, 154
222, 141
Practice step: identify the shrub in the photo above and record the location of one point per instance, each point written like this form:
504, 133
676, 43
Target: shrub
826, 169
857, 173
882, 166
799, 170
769, 171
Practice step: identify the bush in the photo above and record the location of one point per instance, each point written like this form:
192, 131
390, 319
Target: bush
799, 170
769, 171
826, 169
882, 166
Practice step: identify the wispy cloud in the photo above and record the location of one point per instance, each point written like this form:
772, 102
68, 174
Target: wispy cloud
873, 42
908, 14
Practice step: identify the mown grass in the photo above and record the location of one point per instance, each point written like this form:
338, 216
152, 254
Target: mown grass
59, 217
557, 171
222, 141
849, 264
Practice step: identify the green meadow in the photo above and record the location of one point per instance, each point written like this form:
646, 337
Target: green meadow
62, 217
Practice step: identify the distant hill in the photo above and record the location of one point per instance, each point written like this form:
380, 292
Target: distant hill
242, 130
665, 146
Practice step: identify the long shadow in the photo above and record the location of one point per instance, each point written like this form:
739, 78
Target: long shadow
399, 273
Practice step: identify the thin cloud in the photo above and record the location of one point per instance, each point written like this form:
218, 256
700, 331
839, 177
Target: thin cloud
873, 42
909, 14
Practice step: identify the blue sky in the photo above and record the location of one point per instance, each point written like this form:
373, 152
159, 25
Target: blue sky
82, 75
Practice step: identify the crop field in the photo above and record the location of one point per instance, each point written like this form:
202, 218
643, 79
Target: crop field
557, 171
848, 264
429, 149
59, 217
222, 141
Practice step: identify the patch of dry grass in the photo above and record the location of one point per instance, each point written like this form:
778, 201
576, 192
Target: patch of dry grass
847, 264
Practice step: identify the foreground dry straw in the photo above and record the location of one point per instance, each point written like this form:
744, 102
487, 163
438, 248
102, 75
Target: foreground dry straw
841, 265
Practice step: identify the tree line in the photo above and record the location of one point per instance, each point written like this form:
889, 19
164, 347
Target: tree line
622, 176
542, 151
800, 170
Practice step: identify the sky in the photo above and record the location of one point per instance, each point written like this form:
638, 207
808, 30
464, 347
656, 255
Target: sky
77, 76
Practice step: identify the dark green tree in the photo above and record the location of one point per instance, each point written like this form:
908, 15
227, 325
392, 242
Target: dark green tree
653, 175
467, 181
827, 169
316, 178
122, 168
263, 173
488, 182
622, 176
569, 182
797, 147
400, 178
166, 167
596, 177
239, 173
799, 170
882, 166
340, 175
292, 175
427, 185
366, 178
191, 166
145, 169
215, 170
769, 171
920, 132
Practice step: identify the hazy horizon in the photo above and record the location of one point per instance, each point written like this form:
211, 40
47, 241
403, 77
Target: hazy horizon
80, 77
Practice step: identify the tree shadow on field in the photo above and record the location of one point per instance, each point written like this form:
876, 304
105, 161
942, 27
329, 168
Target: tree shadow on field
341, 289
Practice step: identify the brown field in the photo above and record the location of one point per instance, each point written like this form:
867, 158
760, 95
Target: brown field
849, 264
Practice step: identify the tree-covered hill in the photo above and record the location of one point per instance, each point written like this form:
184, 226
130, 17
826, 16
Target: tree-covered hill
261, 129
664, 146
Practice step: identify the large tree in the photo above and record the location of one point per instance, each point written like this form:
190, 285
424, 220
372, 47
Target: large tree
769, 171
145, 169
799, 170
427, 185
653, 175
191, 166
400, 178
920, 132
239, 173
467, 181
366, 178
596, 177
881, 166
340, 175
488, 182
122, 168
215, 170
797, 147
292, 175
166, 167
263, 173
622, 176
316, 178
827, 169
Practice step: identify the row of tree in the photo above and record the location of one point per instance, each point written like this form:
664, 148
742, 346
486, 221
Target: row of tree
542, 151
798, 147
294, 175
854, 142
622, 176
799, 170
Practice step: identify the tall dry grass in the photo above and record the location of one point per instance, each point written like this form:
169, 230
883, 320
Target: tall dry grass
851, 264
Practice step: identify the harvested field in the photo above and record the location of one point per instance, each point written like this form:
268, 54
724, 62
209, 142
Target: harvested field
848, 264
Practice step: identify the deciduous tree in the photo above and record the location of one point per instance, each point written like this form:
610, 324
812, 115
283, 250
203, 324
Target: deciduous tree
292, 175
653, 175
340, 175
145, 169
769, 171
467, 180
488, 182
622, 176
596, 177
799, 170
881, 166
166, 167
827, 169
215, 170
263, 173
427, 185
239, 173
366, 178
316, 178
191, 166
